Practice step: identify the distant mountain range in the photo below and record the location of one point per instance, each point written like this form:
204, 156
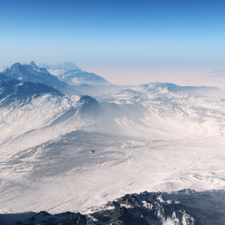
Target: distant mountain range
32, 73
73, 75
76, 77
156, 136
214, 78
73, 80
215, 73
190, 90
65, 77
66, 66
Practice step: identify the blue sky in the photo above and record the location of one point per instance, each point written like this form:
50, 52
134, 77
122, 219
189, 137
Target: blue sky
124, 41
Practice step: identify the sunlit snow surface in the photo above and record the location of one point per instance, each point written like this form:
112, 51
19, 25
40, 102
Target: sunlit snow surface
144, 138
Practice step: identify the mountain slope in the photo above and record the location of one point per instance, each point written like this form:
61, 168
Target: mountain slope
65, 66
73, 75
31, 73
36, 106
13, 90
190, 90
3, 77
60, 67
76, 77
152, 137
162, 110
2, 68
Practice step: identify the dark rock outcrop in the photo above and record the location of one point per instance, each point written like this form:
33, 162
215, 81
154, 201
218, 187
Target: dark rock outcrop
184, 207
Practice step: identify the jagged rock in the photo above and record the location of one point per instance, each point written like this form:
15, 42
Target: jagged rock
140, 209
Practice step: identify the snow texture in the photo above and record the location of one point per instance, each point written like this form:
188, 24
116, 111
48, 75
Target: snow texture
155, 137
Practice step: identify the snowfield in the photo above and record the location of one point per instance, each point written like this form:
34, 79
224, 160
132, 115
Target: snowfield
146, 138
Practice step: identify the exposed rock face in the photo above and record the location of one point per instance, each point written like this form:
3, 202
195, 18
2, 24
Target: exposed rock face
145, 208
185, 207
66, 218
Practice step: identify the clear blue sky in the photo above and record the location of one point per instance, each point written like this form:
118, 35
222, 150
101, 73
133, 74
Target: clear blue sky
124, 41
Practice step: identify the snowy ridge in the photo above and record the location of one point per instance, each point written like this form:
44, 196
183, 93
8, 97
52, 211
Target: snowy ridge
153, 110
71, 79
56, 72
60, 68
138, 111
214, 78
65, 66
73, 75
35, 115
22, 92
77, 77
2, 68
32, 73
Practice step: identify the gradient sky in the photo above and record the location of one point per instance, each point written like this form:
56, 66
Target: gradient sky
124, 41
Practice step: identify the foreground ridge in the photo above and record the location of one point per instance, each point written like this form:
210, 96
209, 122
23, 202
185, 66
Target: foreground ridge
185, 207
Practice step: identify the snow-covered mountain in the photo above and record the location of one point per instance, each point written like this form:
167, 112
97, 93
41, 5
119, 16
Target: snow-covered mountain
71, 152
73, 75
60, 67
22, 92
31, 73
159, 109
2, 68
148, 137
77, 77
65, 66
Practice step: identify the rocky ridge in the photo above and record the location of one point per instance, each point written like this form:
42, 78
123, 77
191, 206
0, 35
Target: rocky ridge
185, 207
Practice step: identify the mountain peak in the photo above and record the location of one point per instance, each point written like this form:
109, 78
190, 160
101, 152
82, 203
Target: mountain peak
66, 66
15, 65
32, 63
31, 73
